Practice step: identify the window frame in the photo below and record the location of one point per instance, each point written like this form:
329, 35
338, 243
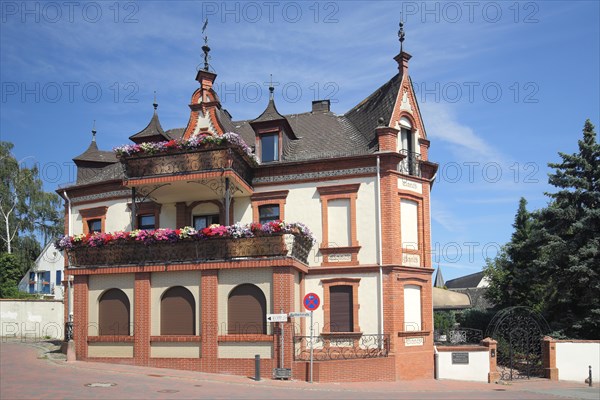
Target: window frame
141, 216
100, 316
191, 301
211, 216
328, 193
262, 300
90, 214
327, 284
276, 146
268, 198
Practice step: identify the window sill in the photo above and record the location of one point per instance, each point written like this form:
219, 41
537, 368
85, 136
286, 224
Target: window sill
245, 338
110, 338
176, 338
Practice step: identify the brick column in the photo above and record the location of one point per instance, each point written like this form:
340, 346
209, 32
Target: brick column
141, 318
549, 358
181, 215
283, 299
491, 344
390, 212
80, 315
210, 322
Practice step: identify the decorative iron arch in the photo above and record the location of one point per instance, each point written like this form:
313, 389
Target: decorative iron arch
519, 331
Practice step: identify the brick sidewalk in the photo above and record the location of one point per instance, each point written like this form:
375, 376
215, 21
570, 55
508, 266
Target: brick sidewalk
28, 372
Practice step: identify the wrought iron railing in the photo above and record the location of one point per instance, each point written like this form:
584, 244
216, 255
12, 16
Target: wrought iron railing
451, 337
216, 158
341, 347
190, 251
411, 164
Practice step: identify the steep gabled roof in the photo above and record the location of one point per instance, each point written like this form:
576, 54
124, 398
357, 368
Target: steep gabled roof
380, 104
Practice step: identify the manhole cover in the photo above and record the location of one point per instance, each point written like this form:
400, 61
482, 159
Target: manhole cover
100, 384
167, 391
156, 376
197, 385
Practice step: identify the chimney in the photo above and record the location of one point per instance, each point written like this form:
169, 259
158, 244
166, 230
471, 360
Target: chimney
321, 106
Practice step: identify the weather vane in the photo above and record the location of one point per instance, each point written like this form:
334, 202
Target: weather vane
205, 48
401, 33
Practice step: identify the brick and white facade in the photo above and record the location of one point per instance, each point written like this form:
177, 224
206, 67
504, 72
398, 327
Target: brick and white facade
337, 195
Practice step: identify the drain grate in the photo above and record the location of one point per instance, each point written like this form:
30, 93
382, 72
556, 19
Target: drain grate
100, 384
156, 375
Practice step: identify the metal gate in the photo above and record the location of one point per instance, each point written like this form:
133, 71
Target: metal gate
519, 332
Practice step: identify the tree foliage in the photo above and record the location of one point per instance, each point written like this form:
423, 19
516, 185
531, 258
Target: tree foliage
28, 214
552, 262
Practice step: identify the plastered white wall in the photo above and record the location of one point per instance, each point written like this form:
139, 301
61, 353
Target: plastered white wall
412, 308
32, 319
98, 284
118, 216
409, 225
573, 360
477, 369
230, 278
303, 204
110, 350
368, 313
161, 281
245, 350
168, 216
175, 350
242, 211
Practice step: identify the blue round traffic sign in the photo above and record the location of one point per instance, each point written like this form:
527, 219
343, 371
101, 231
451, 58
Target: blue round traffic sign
311, 301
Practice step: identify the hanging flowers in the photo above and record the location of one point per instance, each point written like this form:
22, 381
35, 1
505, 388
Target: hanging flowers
162, 235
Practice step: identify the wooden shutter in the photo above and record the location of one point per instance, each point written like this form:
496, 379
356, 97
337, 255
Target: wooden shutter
177, 312
113, 318
246, 311
340, 309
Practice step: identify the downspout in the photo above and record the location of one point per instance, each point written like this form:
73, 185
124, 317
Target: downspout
69, 282
379, 253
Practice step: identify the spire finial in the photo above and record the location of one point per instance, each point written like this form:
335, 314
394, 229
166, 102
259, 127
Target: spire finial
271, 89
155, 104
205, 48
401, 33
94, 131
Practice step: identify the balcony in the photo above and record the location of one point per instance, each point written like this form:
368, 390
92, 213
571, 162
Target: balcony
410, 164
181, 164
190, 251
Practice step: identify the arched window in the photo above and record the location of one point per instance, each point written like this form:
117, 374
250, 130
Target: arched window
246, 310
177, 312
113, 313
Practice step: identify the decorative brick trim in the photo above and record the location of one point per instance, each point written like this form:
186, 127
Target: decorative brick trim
266, 198
327, 284
91, 214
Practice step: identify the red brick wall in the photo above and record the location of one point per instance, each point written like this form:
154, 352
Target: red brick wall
141, 315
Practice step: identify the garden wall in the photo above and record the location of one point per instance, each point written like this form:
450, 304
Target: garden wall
31, 319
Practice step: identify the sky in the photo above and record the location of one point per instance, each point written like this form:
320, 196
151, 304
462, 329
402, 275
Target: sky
503, 86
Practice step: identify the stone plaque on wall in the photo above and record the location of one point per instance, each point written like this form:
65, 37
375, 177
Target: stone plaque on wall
460, 358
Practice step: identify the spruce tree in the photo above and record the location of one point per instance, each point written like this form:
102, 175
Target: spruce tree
569, 234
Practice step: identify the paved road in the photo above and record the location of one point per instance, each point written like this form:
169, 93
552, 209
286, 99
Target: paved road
27, 372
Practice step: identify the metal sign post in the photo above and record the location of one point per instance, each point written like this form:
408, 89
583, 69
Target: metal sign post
311, 347
311, 303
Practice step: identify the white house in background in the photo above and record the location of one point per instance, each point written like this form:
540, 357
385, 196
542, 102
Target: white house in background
45, 276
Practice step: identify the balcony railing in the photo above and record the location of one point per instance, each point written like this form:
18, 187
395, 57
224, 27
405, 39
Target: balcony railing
214, 158
190, 251
411, 164
341, 346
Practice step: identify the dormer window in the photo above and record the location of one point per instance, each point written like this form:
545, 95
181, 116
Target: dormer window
269, 147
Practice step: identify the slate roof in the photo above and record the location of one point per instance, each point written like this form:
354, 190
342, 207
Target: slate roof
315, 135
152, 131
380, 104
439, 279
467, 281
93, 154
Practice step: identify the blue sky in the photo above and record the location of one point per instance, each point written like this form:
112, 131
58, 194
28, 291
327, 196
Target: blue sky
503, 86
